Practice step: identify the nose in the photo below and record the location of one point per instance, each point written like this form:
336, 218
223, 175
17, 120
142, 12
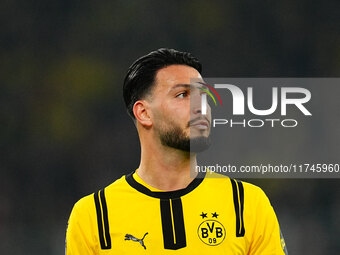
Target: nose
196, 104
197, 111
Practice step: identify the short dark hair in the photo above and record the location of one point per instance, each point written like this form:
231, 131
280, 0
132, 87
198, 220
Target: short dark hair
141, 74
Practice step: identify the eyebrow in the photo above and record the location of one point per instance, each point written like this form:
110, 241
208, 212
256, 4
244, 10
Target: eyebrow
185, 86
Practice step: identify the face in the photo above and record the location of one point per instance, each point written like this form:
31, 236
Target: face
176, 109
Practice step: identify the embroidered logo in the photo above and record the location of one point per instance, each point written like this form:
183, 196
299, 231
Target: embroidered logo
135, 239
211, 231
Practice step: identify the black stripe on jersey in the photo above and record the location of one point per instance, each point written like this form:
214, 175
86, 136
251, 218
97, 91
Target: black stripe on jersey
238, 195
103, 230
172, 219
106, 219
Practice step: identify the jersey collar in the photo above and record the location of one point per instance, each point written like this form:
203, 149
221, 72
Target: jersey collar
164, 194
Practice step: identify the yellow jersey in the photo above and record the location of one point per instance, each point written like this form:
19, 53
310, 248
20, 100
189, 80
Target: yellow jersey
209, 216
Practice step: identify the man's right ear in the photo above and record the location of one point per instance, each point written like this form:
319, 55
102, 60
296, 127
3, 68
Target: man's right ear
141, 112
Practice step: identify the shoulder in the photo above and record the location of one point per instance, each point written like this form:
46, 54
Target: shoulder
256, 202
251, 193
88, 202
253, 190
116, 185
215, 178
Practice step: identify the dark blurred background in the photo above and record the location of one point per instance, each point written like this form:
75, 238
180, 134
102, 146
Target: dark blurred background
64, 130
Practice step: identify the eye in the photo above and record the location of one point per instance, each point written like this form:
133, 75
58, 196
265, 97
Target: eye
182, 94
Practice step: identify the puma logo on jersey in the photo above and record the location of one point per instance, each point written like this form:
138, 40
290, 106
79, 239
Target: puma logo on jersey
135, 239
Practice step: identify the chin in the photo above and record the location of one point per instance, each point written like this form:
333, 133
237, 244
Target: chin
199, 135
199, 143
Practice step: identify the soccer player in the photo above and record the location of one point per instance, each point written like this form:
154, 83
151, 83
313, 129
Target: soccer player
159, 208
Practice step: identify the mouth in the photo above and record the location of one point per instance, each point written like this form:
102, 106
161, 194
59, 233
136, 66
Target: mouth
202, 124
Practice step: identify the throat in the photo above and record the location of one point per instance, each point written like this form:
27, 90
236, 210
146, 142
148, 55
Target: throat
165, 168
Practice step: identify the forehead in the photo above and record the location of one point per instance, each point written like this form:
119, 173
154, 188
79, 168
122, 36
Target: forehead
170, 76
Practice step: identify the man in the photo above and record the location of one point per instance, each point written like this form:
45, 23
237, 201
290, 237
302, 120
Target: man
159, 208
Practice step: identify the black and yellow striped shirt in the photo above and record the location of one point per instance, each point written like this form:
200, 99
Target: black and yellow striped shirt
210, 216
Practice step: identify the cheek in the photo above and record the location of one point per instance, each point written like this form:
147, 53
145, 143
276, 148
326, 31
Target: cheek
176, 114
162, 114
182, 111
176, 108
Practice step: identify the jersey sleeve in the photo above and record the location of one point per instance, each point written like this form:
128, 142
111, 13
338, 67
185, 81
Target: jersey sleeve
79, 235
267, 237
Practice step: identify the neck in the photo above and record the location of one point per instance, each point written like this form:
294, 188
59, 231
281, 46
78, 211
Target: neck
166, 168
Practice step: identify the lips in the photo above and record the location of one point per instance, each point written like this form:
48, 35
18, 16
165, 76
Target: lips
201, 124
